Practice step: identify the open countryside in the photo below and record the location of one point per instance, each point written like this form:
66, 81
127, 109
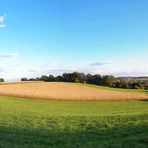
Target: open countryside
74, 74
75, 121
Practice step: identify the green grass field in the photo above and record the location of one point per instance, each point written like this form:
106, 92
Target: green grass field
115, 89
37, 123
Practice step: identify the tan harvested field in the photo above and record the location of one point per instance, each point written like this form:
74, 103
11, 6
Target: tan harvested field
65, 91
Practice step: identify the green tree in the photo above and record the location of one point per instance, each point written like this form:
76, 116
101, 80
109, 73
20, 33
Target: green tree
44, 78
108, 80
97, 79
51, 78
24, 79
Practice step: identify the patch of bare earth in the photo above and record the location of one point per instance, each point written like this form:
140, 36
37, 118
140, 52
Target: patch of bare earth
66, 91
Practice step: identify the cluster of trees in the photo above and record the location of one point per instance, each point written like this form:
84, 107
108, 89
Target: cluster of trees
107, 80
77, 77
128, 84
2, 80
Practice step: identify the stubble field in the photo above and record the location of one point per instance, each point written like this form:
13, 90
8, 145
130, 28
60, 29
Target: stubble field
67, 91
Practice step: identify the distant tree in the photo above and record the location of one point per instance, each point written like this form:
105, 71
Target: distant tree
108, 80
32, 79
37, 79
51, 78
2, 80
136, 85
78, 77
74, 77
82, 78
44, 78
89, 79
66, 77
141, 86
124, 84
24, 79
97, 79
58, 79
118, 84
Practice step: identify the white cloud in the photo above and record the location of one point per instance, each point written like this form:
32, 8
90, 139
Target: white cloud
2, 19
102, 63
2, 25
125, 67
116, 67
1, 70
48, 70
9, 55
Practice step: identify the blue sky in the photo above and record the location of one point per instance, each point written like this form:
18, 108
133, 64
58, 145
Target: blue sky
55, 36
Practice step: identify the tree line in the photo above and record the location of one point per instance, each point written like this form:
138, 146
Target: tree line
97, 79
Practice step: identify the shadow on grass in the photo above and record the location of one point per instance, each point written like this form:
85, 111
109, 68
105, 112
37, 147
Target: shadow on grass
144, 91
116, 137
145, 100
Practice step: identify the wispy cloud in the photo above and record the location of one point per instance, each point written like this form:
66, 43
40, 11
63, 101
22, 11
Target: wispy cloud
9, 55
55, 71
2, 25
127, 67
1, 70
121, 67
101, 63
117, 68
2, 19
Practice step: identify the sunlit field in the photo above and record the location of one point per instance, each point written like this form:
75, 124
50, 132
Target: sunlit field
69, 91
73, 73
43, 123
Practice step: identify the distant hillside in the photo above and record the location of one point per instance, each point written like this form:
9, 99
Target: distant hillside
142, 79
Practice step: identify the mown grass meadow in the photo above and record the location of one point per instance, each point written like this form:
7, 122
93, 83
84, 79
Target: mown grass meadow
38, 123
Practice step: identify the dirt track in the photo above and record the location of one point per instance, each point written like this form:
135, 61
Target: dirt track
66, 91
